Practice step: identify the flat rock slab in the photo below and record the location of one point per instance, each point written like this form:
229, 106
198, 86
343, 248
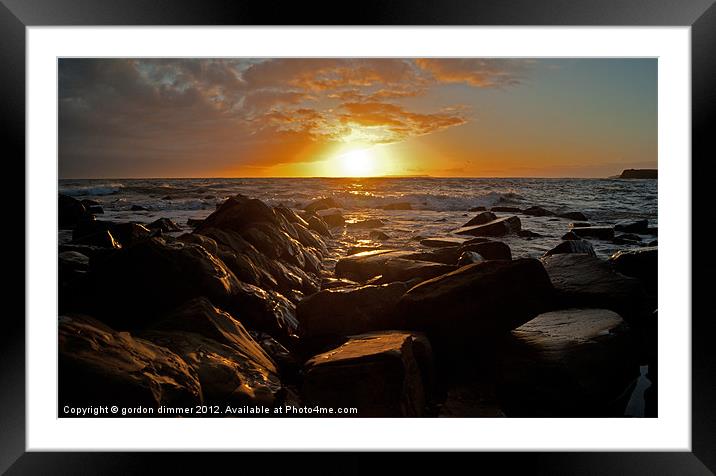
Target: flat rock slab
499, 227
98, 365
444, 255
641, 263
586, 281
478, 300
378, 374
638, 226
348, 311
390, 264
442, 242
599, 232
569, 363
481, 219
572, 246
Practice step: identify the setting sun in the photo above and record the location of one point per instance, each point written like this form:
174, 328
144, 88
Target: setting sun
358, 163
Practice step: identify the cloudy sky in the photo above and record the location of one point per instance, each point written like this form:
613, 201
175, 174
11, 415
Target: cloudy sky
121, 118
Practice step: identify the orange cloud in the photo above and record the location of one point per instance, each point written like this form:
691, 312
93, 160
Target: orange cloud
482, 73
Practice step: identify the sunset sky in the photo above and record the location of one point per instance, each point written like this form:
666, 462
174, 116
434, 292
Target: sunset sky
124, 118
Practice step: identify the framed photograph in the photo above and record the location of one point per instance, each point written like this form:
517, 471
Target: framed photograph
421, 228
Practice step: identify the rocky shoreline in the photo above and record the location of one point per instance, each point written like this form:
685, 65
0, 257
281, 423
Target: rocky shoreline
244, 310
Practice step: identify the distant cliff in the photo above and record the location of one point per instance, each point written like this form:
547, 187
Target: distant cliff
639, 174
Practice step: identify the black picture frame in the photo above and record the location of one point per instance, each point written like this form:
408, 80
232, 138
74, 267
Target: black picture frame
700, 15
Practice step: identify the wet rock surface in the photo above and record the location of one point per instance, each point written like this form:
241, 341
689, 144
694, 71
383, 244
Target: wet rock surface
479, 300
573, 246
70, 211
391, 265
642, 264
599, 232
228, 376
268, 305
377, 373
574, 362
98, 364
582, 280
346, 311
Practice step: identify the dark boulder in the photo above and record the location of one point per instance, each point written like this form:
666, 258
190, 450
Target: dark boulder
477, 209
627, 239
316, 224
489, 250
585, 281
506, 209
570, 235
322, 204
391, 265
477, 301
638, 226
72, 280
73, 261
469, 257
481, 219
227, 376
309, 238
346, 311
537, 212
291, 216
154, 276
577, 216
130, 233
239, 213
397, 206
103, 239
379, 374
270, 267
200, 316
138, 208
366, 224
332, 217
70, 211
93, 252
164, 225
93, 207
207, 243
100, 365
498, 227
528, 234
570, 363
378, 235
194, 222
641, 263
572, 246
446, 255
599, 232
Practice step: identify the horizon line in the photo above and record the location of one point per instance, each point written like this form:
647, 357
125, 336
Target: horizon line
347, 177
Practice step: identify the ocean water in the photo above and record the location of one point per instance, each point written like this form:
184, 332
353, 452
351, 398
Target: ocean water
440, 205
